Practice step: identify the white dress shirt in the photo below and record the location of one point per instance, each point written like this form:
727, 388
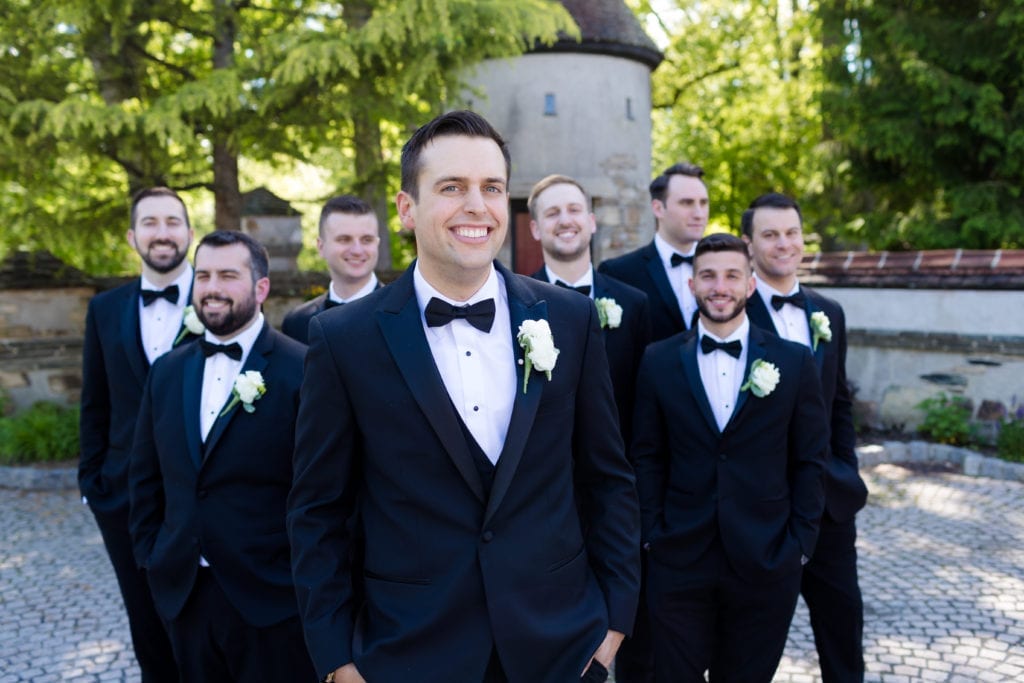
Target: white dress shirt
219, 373
587, 280
679, 277
160, 322
370, 285
721, 374
478, 368
790, 321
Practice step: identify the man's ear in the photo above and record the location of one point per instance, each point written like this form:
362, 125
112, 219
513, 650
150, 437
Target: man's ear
405, 204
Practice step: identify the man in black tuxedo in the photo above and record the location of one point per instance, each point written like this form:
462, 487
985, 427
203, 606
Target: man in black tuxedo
773, 228
126, 329
662, 269
561, 220
210, 473
348, 243
730, 439
499, 513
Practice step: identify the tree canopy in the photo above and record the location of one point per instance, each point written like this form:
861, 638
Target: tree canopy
99, 98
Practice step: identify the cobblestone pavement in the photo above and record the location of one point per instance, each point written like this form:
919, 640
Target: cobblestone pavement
942, 571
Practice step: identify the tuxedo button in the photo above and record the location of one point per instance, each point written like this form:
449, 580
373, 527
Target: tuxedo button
721, 456
487, 536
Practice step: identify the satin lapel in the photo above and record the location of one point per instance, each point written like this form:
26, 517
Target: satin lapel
688, 351
757, 311
131, 335
756, 351
819, 353
192, 387
656, 270
257, 360
522, 306
400, 323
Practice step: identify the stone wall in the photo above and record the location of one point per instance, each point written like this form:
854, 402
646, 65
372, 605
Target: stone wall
924, 323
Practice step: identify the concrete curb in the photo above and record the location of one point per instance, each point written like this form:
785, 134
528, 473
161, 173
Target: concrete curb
895, 452
39, 478
923, 453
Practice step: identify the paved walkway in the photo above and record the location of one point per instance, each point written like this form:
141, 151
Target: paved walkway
942, 571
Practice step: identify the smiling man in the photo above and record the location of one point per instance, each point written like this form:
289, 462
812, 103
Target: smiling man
126, 330
210, 472
498, 510
773, 229
348, 242
730, 439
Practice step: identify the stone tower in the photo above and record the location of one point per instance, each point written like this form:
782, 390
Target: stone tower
581, 109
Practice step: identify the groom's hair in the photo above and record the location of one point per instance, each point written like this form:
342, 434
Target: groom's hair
719, 242
461, 122
259, 261
771, 200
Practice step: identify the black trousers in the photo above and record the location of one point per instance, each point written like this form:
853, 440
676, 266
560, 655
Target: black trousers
833, 597
706, 618
213, 643
149, 635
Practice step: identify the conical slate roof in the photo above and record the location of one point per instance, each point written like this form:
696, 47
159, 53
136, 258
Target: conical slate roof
263, 202
607, 27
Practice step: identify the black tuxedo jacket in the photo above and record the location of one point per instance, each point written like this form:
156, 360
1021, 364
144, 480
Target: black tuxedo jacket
296, 321
225, 499
756, 486
114, 370
644, 270
539, 569
625, 344
845, 492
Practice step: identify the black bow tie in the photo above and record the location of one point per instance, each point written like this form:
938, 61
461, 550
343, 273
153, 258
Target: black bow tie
480, 315
232, 350
679, 258
733, 348
582, 289
331, 303
150, 295
797, 300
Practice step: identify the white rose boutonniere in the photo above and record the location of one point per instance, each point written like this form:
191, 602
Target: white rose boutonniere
539, 347
763, 378
821, 329
249, 387
609, 312
190, 323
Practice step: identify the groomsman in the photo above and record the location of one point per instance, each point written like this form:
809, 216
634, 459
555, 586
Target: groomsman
561, 220
730, 439
662, 269
348, 242
773, 229
126, 329
472, 412
210, 473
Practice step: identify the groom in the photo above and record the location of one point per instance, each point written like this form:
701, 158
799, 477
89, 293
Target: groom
499, 513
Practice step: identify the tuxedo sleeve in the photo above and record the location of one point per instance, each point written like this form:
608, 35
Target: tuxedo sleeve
320, 505
844, 435
145, 480
94, 420
648, 452
606, 486
808, 448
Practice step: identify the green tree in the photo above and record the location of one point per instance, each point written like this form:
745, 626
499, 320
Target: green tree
925, 102
738, 94
100, 98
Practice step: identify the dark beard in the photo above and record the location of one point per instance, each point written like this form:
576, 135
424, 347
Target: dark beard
179, 256
237, 316
740, 306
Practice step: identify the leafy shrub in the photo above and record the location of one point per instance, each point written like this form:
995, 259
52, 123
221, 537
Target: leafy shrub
1010, 442
46, 432
946, 420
